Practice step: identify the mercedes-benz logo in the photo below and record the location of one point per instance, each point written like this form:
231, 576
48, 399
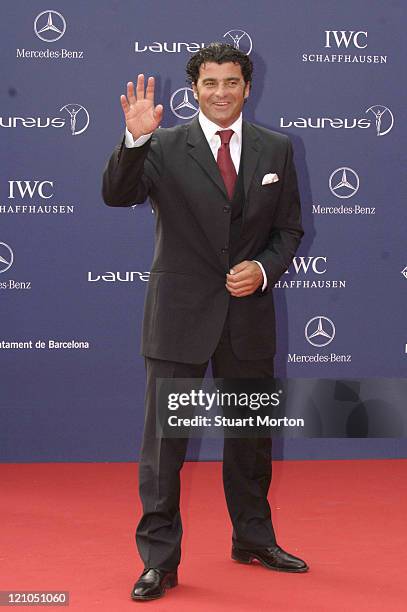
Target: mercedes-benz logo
73, 110
6, 257
181, 105
344, 182
320, 331
384, 118
49, 26
241, 40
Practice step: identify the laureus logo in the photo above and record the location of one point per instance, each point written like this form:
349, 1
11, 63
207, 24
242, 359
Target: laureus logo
384, 119
49, 26
78, 125
240, 40
379, 116
78, 120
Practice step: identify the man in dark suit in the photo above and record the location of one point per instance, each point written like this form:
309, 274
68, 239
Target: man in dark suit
228, 224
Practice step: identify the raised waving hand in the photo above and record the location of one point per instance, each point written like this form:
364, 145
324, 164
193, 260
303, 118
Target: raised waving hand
141, 116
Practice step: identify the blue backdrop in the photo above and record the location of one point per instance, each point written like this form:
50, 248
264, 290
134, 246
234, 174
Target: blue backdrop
73, 272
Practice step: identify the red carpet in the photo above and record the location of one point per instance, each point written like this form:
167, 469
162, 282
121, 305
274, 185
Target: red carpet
70, 527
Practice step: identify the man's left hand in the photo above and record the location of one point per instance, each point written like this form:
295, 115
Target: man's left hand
244, 279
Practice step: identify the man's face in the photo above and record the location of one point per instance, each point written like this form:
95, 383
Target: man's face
221, 91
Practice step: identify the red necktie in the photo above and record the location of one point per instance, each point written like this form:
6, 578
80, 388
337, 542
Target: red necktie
225, 163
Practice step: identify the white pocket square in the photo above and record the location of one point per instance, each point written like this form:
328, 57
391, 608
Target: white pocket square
270, 178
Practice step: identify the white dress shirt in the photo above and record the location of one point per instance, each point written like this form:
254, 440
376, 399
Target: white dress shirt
235, 144
209, 129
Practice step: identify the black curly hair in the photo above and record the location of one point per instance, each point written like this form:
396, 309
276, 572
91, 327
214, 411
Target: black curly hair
219, 53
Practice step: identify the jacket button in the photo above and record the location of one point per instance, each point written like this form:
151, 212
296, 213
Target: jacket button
225, 250
226, 209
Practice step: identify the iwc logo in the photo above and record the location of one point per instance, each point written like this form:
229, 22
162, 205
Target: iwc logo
309, 273
32, 197
344, 47
182, 105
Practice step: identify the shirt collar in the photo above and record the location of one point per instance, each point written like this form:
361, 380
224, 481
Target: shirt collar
210, 128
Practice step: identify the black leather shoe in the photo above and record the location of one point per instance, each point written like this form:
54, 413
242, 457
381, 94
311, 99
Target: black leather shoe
274, 558
153, 583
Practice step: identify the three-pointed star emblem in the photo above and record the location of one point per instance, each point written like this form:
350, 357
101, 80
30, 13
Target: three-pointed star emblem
49, 26
320, 331
6, 257
344, 182
184, 108
53, 28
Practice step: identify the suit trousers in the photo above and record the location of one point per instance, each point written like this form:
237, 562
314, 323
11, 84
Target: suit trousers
246, 467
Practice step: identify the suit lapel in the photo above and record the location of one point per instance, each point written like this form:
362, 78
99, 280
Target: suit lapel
251, 148
199, 149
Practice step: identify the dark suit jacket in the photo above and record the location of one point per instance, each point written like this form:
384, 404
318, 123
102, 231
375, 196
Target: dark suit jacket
187, 301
